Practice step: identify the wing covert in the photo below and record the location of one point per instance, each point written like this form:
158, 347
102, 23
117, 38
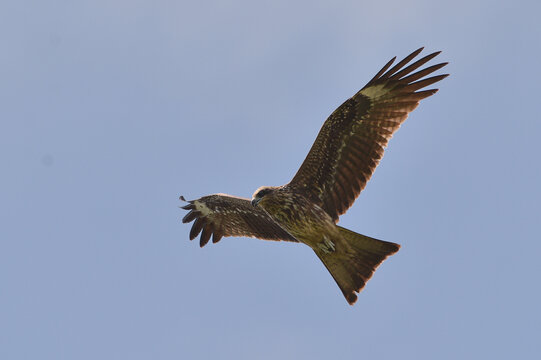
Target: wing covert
222, 215
352, 140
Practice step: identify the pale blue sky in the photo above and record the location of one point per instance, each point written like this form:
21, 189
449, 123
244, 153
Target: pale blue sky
112, 109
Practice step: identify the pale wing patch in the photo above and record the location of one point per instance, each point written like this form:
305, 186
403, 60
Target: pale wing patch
202, 208
375, 91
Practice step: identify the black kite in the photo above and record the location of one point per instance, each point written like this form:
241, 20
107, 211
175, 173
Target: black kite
341, 161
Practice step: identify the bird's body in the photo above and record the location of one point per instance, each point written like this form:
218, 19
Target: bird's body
301, 218
345, 154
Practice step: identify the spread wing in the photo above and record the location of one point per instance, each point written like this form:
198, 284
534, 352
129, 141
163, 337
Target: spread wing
351, 142
224, 215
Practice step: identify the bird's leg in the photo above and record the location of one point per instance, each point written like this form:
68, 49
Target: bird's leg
327, 246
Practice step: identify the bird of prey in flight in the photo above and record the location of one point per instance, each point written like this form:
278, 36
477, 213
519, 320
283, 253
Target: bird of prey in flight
346, 152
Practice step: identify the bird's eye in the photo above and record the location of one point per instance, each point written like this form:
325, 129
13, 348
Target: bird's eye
262, 193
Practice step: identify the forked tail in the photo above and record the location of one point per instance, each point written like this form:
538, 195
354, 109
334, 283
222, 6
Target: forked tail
353, 263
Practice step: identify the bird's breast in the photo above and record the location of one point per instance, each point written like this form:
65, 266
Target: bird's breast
300, 217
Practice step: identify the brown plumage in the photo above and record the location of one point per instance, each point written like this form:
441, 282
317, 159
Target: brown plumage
351, 142
344, 156
225, 215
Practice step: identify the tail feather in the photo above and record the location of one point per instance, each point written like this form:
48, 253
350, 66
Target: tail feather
354, 261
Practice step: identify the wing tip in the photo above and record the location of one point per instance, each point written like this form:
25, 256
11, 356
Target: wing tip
189, 206
417, 52
190, 216
205, 235
398, 71
197, 227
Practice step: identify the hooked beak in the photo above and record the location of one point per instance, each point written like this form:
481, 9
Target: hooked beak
255, 202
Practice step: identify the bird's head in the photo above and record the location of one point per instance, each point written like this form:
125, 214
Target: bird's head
260, 193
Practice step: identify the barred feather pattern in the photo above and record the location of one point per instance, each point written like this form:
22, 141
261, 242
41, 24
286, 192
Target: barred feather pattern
352, 140
222, 215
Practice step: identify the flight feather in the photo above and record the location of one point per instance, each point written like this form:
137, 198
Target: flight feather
222, 215
352, 140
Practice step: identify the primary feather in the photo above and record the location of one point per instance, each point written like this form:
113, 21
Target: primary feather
351, 142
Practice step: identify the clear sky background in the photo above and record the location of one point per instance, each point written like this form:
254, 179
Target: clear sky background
109, 110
